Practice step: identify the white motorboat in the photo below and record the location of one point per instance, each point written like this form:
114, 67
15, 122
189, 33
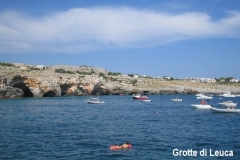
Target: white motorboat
139, 97
204, 97
94, 101
203, 105
227, 94
228, 104
176, 100
227, 110
199, 94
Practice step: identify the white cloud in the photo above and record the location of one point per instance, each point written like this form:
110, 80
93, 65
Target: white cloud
85, 29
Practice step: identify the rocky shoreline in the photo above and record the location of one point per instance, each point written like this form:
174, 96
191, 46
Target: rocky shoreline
21, 80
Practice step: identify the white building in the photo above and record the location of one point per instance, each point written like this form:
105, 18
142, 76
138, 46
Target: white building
234, 80
135, 76
166, 77
41, 67
203, 80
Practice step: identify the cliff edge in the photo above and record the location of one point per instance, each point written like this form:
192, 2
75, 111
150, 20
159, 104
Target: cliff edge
21, 80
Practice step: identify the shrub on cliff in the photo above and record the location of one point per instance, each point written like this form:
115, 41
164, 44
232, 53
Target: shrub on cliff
92, 72
113, 79
84, 73
7, 64
60, 71
34, 68
134, 82
70, 72
101, 74
114, 73
63, 71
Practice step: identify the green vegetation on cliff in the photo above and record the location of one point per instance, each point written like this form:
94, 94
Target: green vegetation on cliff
7, 64
63, 71
114, 73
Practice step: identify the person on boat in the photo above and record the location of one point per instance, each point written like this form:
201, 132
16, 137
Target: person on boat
125, 145
202, 102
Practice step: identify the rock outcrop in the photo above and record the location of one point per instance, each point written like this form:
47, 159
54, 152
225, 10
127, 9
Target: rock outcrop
35, 86
10, 92
25, 81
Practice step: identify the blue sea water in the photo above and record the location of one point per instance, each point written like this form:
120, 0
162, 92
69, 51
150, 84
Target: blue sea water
69, 128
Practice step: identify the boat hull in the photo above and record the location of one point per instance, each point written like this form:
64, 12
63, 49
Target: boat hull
225, 110
227, 96
140, 98
229, 104
92, 102
204, 98
201, 106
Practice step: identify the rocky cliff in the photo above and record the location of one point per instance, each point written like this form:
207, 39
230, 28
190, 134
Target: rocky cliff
22, 80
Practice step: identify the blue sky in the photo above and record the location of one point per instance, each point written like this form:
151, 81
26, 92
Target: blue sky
187, 38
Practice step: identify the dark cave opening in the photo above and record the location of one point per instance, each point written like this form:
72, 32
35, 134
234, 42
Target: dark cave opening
25, 89
49, 94
64, 89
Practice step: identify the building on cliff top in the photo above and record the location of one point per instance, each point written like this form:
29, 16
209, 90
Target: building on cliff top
41, 67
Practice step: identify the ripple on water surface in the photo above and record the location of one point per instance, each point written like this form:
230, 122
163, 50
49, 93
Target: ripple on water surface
69, 128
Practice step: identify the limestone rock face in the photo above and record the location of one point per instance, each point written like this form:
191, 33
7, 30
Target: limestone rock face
10, 92
74, 87
86, 88
3, 80
35, 87
21, 81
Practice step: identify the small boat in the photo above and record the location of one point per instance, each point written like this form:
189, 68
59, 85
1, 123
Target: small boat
116, 147
228, 104
139, 97
94, 101
227, 94
203, 105
199, 94
176, 100
227, 110
204, 97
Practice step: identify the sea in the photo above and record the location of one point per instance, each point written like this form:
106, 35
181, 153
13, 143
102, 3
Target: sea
69, 128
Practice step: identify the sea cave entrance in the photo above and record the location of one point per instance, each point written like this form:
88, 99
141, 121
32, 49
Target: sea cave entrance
49, 94
64, 89
25, 89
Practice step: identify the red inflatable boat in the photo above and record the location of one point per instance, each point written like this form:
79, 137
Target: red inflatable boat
116, 147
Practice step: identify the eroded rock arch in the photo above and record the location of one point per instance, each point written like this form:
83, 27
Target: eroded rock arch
24, 88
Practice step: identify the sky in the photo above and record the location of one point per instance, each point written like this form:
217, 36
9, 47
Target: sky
187, 38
